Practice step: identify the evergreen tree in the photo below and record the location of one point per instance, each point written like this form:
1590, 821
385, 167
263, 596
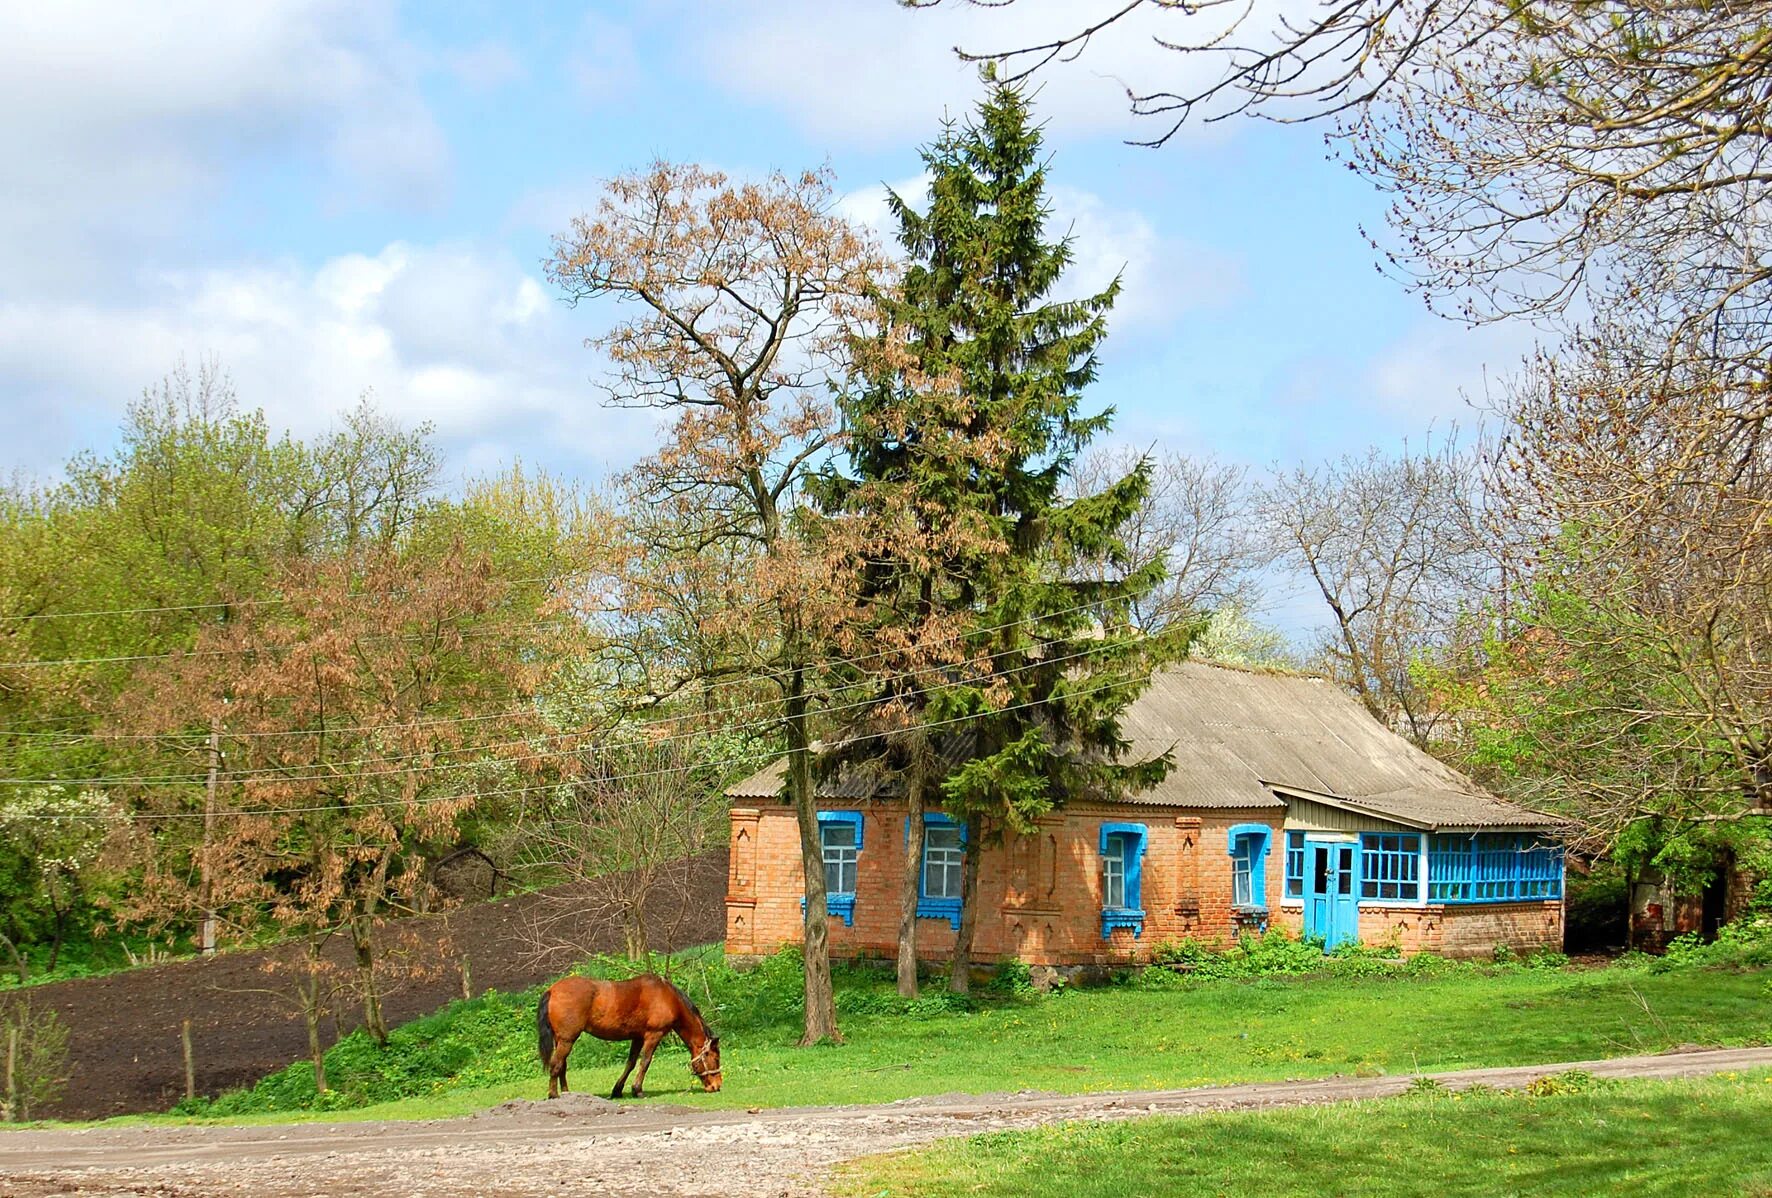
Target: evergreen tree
1045, 658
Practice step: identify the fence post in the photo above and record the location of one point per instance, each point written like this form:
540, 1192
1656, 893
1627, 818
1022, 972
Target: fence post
190, 1068
12, 1032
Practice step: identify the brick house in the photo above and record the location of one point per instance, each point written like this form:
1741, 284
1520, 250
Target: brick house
1287, 806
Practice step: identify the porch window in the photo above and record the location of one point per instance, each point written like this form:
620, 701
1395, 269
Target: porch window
1248, 849
944, 856
1493, 867
839, 841
1294, 865
1122, 877
1390, 866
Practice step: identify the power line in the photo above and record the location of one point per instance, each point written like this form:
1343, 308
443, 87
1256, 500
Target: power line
59, 662
717, 685
271, 601
327, 770
172, 815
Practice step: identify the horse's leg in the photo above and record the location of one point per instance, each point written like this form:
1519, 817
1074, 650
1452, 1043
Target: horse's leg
633, 1055
653, 1040
557, 1066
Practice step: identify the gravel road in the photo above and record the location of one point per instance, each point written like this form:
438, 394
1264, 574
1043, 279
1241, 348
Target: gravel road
585, 1145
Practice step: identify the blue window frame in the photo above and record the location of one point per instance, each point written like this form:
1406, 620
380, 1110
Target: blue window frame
1390, 866
1493, 867
940, 882
1122, 877
839, 843
1294, 887
1248, 844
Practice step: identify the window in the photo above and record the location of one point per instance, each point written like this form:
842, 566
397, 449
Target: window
1294, 865
1390, 866
1248, 849
839, 840
942, 858
1493, 867
944, 855
1113, 873
841, 855
1122, 878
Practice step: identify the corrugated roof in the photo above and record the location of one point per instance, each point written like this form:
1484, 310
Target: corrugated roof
1234, 735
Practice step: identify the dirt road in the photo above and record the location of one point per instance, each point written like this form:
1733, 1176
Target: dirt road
589, 1145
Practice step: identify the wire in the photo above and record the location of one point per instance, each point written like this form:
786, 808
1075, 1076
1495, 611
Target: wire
329, 770
147, 611
718, 684
770, 756
56, 662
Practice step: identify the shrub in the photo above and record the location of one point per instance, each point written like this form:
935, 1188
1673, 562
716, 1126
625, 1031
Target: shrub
33, 1060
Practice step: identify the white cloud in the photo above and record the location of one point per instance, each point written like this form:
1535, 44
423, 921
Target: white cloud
603, 61
484, 66
116, 118
1446, 372
877, 73
453, 334
1160, 276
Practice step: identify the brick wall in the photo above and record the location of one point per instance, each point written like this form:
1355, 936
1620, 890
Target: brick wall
1041, 893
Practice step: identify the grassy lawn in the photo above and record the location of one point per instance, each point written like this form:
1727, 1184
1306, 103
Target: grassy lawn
1163, 1032
1637, 1138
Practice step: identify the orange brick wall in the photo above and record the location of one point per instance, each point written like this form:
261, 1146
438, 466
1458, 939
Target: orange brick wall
1041, 893
1459, 930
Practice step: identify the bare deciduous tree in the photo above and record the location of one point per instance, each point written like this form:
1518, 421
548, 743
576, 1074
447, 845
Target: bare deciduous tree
1196, 518
1394, 547
624, 833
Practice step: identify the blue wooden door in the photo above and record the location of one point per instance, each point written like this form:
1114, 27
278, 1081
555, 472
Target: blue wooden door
1331, 905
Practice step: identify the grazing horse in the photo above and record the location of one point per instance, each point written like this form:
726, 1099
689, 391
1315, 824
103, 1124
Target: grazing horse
642, 1010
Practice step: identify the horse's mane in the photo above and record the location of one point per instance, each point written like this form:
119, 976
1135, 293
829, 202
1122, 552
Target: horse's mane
693, 1009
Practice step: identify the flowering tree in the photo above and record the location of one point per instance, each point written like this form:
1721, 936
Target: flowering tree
53, 837
351, 719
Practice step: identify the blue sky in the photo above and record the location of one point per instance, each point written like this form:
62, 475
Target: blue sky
338, 197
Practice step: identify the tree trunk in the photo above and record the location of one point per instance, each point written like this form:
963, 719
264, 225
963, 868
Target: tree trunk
311, 1010
821, 1006
18, 961
910, 883
960, 976
362, 939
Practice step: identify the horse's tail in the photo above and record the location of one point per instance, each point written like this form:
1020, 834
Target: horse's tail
544, 1028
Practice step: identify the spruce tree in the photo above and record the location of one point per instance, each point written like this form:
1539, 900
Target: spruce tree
1047, 657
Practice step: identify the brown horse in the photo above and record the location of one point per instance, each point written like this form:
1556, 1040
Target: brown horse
642, 1010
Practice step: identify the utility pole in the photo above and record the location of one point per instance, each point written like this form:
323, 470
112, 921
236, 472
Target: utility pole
207, 941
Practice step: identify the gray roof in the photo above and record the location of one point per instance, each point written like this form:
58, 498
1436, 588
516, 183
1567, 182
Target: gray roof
1237, 737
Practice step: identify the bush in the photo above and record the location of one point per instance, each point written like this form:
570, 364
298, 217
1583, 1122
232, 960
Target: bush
33, 1060
1273, 955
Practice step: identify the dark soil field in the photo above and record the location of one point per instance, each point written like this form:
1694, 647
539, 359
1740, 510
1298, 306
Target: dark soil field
124, 1029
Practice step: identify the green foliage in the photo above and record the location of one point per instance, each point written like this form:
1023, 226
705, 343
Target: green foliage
1665, 1138
1569, 1081
1274, 955
1162, 1029
33, 1058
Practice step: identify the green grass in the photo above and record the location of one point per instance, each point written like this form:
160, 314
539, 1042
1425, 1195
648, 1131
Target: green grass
1352, 1016
1637, 1138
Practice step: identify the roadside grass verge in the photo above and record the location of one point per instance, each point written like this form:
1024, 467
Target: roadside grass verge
1583, 1137
1352, 1016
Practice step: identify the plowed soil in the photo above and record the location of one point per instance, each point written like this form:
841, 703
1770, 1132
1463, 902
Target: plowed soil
125, 1051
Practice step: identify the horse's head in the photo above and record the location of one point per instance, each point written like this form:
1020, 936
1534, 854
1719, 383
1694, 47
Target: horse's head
706, 1065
